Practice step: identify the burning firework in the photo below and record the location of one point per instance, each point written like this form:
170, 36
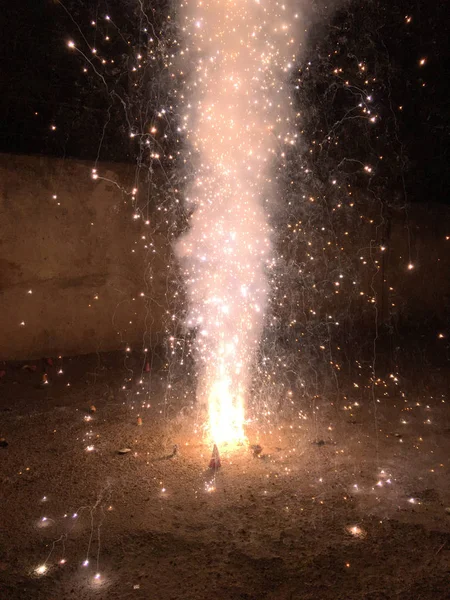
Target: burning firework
236, 118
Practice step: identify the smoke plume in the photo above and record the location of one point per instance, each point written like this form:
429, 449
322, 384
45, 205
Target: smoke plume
236, 117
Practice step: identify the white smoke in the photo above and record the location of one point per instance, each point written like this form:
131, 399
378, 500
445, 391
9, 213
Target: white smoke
236, 115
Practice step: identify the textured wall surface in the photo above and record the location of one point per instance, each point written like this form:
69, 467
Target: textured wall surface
87, 261
73, 267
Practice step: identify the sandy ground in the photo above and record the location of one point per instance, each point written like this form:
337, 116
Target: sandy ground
340, 503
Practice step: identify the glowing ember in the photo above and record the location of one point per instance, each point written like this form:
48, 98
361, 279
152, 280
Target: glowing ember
41, 570
356, 531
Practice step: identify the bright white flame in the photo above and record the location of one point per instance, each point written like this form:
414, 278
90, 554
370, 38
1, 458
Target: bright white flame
226, 414
236, 117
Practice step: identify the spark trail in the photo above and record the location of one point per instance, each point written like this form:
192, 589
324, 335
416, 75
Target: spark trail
236, 116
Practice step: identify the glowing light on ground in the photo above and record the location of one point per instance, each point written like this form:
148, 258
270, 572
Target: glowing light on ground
41, 570
356, 531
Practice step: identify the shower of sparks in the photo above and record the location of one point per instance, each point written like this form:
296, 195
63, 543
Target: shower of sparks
236, 116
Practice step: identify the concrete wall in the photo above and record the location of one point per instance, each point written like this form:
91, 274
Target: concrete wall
86, 261
72, 268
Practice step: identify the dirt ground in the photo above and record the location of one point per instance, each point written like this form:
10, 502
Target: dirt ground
346, 502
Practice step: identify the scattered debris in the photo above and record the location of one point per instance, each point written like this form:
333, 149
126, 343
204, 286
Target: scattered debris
172, 455
214, 463
257, 449
324, 443
427, 495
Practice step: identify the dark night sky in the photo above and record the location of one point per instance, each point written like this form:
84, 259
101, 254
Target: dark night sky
40, 76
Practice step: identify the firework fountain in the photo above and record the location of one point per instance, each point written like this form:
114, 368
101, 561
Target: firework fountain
236, 116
